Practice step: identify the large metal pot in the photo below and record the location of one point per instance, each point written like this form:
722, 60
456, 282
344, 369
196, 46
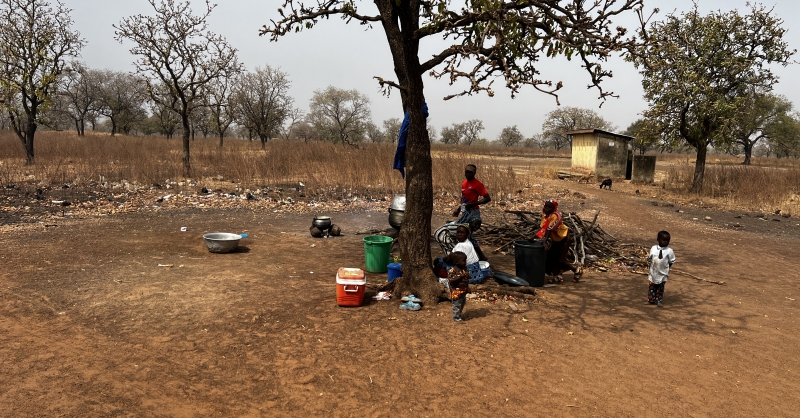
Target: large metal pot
396, 218
399, 202
322, 222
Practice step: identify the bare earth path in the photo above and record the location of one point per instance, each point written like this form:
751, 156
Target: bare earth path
95, 323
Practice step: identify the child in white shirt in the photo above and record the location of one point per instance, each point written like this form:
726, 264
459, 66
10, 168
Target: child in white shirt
661, 259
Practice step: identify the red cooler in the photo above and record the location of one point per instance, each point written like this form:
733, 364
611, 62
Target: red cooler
350, 285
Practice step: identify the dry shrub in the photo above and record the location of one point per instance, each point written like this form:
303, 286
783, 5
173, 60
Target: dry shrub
759, 188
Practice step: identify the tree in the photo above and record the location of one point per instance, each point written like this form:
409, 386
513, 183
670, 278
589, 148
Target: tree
340, 115
452, 134
750, 124
697, 72
562, 120
644, 133
80, 92
471, 131
510, 136
372, 132
262, 101
122, 100
177, 52
391, 129
495, 38
784, 135
219, 103
35, 41
295, 118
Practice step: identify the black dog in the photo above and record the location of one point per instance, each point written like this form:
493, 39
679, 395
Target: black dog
606, 184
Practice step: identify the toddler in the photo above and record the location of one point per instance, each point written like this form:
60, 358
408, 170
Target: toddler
458, 283
661, 259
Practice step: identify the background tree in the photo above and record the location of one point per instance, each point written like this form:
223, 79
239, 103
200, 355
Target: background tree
698, 71
80, 93
122, 100
391, 129
372, 133
164, 118
471, 131
750, 123
535, 141
564, 119
510, 136
645, 134
453, 134
220, 106
175, 50
494, 38
340, 115
783, 135
294, 118
262, 101
35, 41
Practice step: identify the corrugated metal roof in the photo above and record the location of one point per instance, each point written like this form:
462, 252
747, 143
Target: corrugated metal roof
597, 131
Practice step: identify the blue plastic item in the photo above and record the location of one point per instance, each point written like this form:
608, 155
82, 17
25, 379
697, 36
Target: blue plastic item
395, 270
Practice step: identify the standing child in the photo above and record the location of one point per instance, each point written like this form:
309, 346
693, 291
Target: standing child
458, 283
661, 259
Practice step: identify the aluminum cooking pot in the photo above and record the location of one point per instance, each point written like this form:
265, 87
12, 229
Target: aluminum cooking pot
396, 218
322, 222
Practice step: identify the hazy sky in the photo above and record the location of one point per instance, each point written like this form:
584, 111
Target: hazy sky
349, 56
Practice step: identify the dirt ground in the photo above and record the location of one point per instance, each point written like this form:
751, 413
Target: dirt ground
126, 315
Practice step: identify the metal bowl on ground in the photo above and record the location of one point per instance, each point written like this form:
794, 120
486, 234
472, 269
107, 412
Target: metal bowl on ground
322, 222
221, 242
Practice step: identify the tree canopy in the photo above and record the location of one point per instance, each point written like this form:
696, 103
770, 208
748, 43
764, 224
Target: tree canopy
178, 57
35, 41
484, 40
699, 70
564, 119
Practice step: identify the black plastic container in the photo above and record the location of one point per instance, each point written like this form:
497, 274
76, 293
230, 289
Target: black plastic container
529, 258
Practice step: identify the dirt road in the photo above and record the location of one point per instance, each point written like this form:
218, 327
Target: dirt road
127, 316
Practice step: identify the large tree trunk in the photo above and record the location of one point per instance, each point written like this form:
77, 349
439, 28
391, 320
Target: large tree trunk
699, 168
30, 131
747, 146
400, 20
221, 138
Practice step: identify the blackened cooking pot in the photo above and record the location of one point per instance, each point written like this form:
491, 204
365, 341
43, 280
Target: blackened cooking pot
322, 222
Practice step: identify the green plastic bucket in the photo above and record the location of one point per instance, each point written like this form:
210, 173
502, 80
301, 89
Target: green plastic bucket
376, 251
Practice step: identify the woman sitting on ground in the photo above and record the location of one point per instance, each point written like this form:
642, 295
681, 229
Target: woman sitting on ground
557, 241
465, 246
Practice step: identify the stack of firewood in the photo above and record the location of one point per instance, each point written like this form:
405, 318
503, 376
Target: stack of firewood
588, 238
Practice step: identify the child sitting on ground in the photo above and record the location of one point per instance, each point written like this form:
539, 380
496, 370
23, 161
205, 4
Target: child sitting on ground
661, 259
458, 283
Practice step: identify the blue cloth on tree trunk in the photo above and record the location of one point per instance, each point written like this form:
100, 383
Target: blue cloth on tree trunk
400, 155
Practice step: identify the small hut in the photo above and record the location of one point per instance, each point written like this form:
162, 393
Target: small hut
603, 153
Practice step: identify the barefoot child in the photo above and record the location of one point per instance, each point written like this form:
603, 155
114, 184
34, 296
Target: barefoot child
458, 283
661, 259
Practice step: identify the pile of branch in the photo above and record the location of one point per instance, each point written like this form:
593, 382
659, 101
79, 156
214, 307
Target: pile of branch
588, 238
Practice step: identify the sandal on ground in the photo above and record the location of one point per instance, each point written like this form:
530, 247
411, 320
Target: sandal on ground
577, 275
551, 280
559, 279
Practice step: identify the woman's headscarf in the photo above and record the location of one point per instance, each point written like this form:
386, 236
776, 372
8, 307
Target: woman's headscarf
554, 203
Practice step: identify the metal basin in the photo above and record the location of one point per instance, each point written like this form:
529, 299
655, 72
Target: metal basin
221, 242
